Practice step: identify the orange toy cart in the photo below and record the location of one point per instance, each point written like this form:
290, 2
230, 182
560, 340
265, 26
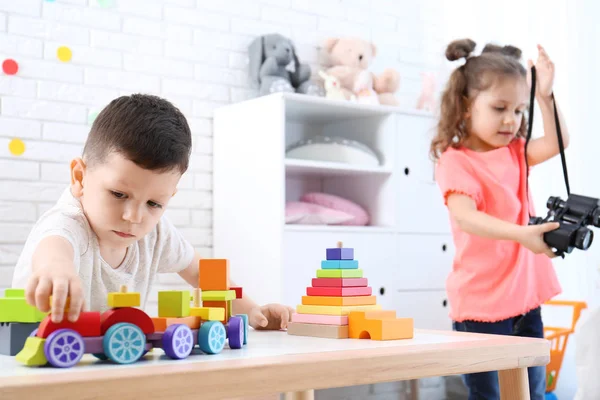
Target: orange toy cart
558, 338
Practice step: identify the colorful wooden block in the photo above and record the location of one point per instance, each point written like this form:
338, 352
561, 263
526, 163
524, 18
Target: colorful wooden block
339, 264
379, 325
20, 293
334, 310
117, 299
174, 303
330, 291
238, 291
16, 309
161, 324
338, 301
208, 313
339, 253
218, 295
339, 282
32, 352
67, 303
339, 273
316, 330
219, 304
13, 336
320, 319
128, 314
214, 274
88, 324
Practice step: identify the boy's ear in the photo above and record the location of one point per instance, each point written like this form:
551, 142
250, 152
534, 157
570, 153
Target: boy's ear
77, 174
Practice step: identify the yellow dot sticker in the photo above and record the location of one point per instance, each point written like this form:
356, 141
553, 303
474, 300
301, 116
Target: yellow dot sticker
16, 147
64, 53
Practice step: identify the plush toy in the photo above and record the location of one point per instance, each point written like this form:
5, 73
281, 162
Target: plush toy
274, 67
426, 100
333, 88
363, 89
349, 57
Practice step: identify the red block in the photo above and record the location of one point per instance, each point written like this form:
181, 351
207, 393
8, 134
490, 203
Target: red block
87, 325
238, 291
339, 282
126, 314
339, 291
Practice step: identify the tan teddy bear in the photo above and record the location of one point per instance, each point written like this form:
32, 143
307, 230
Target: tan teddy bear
349, 57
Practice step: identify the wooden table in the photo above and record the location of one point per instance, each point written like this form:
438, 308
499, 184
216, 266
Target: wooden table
275, 362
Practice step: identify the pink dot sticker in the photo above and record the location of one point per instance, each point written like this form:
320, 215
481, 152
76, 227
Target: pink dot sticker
10, 66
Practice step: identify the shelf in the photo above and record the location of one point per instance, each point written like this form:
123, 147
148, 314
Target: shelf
298, 167
301, 107
339, 228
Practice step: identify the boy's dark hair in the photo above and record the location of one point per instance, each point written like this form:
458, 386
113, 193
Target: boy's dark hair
478, 73
145, 129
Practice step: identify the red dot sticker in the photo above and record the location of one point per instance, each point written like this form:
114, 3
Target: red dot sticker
10, 67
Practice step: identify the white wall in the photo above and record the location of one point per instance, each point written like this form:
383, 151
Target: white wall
191, 51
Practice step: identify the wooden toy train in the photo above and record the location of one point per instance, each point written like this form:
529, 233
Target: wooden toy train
124, 333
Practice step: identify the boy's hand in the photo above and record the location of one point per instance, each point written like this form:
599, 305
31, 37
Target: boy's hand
60, 282
532, 237
544, 68
270, 317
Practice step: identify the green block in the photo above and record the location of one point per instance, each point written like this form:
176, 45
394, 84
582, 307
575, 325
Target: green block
218, 295
174, 303
339, 273
14, 293
16, 309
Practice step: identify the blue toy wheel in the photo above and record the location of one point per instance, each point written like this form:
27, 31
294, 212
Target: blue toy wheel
64, 348
178, 341
211, 337
245, 318
235, 332
550, 396
124, 343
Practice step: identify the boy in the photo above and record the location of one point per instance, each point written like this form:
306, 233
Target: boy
108, 228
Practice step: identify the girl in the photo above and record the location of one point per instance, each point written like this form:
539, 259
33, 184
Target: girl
502, 270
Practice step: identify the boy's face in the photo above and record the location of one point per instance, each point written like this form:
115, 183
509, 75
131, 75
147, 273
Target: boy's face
122, 201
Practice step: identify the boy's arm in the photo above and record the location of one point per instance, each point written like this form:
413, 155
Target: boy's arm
53, 273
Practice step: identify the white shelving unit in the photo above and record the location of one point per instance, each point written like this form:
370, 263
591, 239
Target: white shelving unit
406, 251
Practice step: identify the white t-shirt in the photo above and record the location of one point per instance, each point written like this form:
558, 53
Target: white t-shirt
162, 250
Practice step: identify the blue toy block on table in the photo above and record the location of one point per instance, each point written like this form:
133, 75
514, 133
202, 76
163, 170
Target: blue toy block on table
340, 253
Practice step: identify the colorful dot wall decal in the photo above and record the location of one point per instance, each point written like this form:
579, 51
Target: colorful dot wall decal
16, 147
10, 66
106, 3
92, 117
64, 53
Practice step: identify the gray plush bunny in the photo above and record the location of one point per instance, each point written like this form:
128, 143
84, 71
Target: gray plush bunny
270, 55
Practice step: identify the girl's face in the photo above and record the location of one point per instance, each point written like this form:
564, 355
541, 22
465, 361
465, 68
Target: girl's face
495, 114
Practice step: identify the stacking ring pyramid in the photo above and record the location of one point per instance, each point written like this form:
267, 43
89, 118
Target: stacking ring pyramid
340, 304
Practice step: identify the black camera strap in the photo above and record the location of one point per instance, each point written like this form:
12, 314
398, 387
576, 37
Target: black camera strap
558, 135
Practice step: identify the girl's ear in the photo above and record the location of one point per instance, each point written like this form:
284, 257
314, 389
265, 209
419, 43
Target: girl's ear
78, 169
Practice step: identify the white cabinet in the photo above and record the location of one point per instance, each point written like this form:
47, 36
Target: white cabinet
405, 253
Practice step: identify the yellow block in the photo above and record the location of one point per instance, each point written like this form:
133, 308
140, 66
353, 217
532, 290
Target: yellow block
334, 310
32, 352
218, 295
208, 313
339, 301
118, 299
339, 273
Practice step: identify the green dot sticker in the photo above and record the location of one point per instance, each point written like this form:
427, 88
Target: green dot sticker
92, 117
106, 3
64, 53
16, 147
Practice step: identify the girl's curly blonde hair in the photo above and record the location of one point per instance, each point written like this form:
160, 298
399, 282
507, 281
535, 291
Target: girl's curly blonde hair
478, 73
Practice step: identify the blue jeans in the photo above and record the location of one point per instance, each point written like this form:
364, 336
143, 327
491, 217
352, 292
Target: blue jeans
484, 385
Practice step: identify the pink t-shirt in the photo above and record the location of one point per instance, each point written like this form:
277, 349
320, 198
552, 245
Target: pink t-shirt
492, 280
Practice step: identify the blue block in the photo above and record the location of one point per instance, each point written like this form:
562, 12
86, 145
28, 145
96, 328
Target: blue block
339, 264
337, 253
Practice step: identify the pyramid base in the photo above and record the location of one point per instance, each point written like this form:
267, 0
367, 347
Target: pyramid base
318, 330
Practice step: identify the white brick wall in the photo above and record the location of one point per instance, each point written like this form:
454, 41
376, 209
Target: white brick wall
191, 51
